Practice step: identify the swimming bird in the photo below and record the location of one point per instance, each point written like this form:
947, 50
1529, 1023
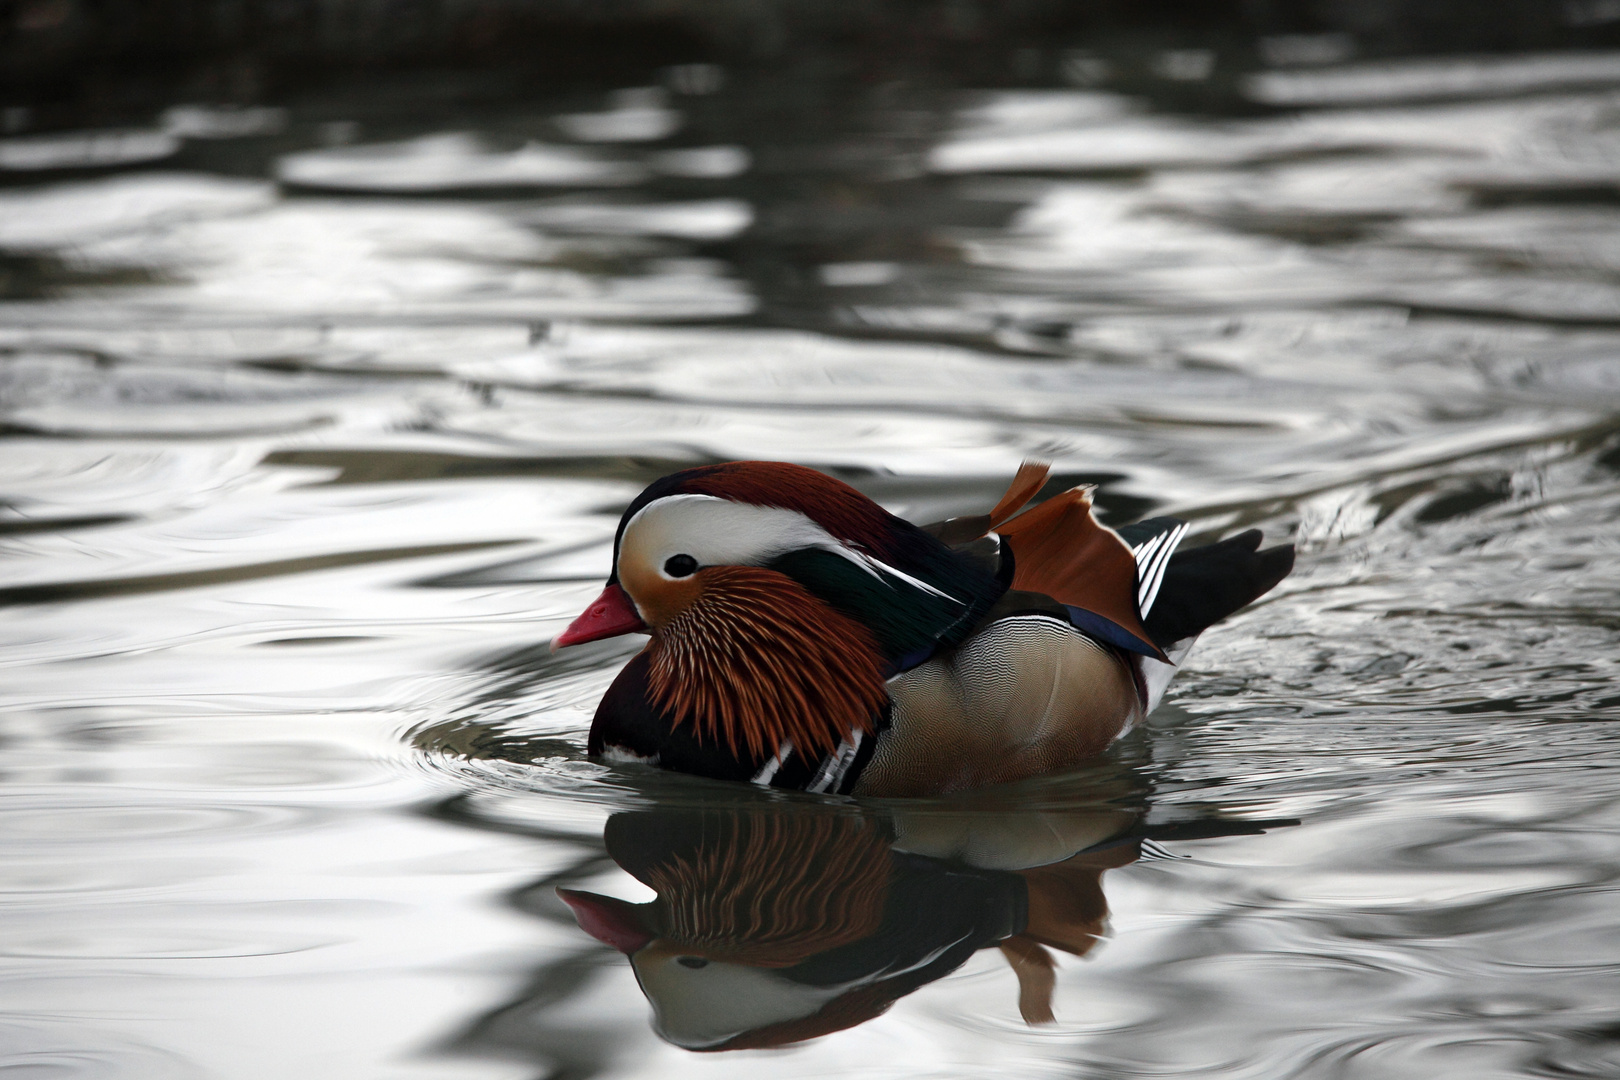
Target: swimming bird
776, 925
804, 637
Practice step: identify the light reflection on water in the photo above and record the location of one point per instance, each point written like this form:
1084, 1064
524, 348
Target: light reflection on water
299, 478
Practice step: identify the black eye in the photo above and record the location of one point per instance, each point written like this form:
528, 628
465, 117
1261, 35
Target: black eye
680, 566
693, 962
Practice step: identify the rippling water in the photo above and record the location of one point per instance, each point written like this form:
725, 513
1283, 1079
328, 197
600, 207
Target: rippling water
316, 431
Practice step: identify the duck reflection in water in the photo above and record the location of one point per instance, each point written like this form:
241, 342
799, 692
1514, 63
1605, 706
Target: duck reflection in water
773, 925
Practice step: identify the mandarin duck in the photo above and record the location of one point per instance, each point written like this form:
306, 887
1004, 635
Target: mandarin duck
773, 927
776, 924
804, 637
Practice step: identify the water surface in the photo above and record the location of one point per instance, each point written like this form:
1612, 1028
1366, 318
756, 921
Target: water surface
316, 432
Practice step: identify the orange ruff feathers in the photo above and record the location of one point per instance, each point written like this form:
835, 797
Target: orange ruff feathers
756, 659
773, 889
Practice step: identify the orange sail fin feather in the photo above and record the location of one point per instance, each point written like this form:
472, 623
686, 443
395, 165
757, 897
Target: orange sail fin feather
1061, 550
1028, 481
1031, 477
1037, 977
756, 660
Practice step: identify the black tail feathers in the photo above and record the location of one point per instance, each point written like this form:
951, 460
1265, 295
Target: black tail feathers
1204, 585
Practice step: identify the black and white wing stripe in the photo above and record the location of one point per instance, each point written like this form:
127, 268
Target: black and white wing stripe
1153, 542
1152, 556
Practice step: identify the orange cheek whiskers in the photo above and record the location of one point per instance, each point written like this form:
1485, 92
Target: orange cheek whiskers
755, 660
773, 889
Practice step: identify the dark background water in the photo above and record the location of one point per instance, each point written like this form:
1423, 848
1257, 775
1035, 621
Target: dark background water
335, 336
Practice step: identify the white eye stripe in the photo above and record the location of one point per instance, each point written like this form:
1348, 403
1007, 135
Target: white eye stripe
719, 532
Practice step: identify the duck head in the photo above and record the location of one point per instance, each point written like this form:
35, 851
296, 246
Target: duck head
778, 600
746, 901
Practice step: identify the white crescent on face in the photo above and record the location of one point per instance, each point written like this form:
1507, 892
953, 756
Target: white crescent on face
698, 1002
694, 1007
718, 532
